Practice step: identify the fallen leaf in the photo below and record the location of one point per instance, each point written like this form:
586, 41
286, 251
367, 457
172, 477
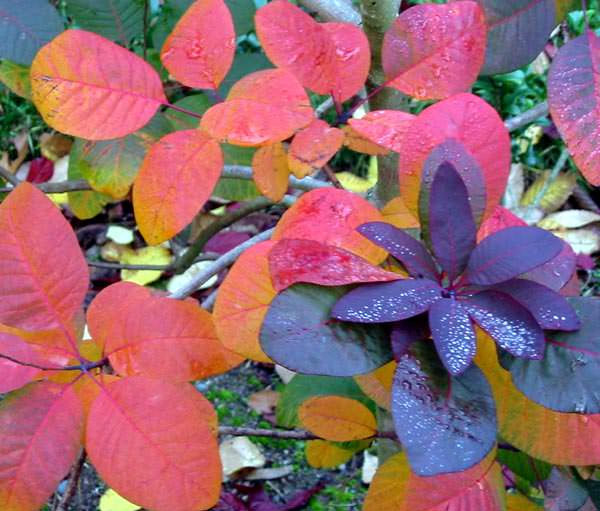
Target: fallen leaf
515, 186
55, 145
555, 196
264, 401
259, 474
285, 374
148, 255
120, 235
239, 453
179, 281
112, 501
369, 467
582, 241
570, 219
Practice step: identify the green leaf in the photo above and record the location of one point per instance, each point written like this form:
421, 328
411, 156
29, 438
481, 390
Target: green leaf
118, 20
243, 12
299, 333
303, 387
16, 78
197, 103
110, 166
244, 64
88, 204
525, 466
26, 26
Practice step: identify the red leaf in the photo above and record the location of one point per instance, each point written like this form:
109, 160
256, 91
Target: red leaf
573, 95
158, 337
40, 170
330, 58
200, 49
500, 219
43, 275
435, 51
176, 178
262, 108
384, 127
14, 375
331, 216
89, 87
40, 437
155, 443
313, 147
471, 122
292, 261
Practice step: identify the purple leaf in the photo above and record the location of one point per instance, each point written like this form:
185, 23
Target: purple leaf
557, 272
451, 225
405, 332
509, 253
410, 252
453, 334
508, 323
225, 241
387, 302
551, 310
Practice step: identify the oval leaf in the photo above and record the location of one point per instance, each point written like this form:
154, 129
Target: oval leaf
26, 27
243, 301
386, 128
313, 147
129, 439
388, 301
445, 423
509, 253
14, 375
517, 32
331, 216
322, 454
271, 171
157, 337
472, 123
292, 261
40, 437
573, 97
89, 87
262, 108
298, 334
43, 275
337, 418
193, 162
435, 51
396, 488
566, 380
197, 54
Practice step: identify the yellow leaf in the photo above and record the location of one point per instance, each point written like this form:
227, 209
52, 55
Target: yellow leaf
336, 418
323, 454
378, 384
112, 501
396, 213
148, 255
569, 219
555, 196
353, 183
517, 502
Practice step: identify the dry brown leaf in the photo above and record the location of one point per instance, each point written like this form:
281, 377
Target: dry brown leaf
582, 241
555, 196
264, 401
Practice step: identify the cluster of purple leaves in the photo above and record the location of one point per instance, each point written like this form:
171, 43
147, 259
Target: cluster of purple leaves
461, 282
258, 500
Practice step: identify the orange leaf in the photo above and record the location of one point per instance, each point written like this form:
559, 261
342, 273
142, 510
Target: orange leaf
378, 384
262, 108
158, 337
89, 87
40, 437
155, 443
330, 58
518, 502
243, 301
200, 49
357, 142
386, 128
555, 437
270, 171
337, 418
434, 51
323, 454
465, 119
43, 275
313, 147
176, 178
396, 213
396, 488
331, 216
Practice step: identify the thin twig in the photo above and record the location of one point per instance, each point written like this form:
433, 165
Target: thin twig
183, 110
332, 177
9, 176
514, 123
80, 367
209, 301
294, 434
245, 209
79, 185
558, 166
223, 262
333, 10
323, 107
72, 483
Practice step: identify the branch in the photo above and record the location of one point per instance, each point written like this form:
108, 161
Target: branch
223, 262
333, 10
81, 367
514, 123
72, 483
293, 434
